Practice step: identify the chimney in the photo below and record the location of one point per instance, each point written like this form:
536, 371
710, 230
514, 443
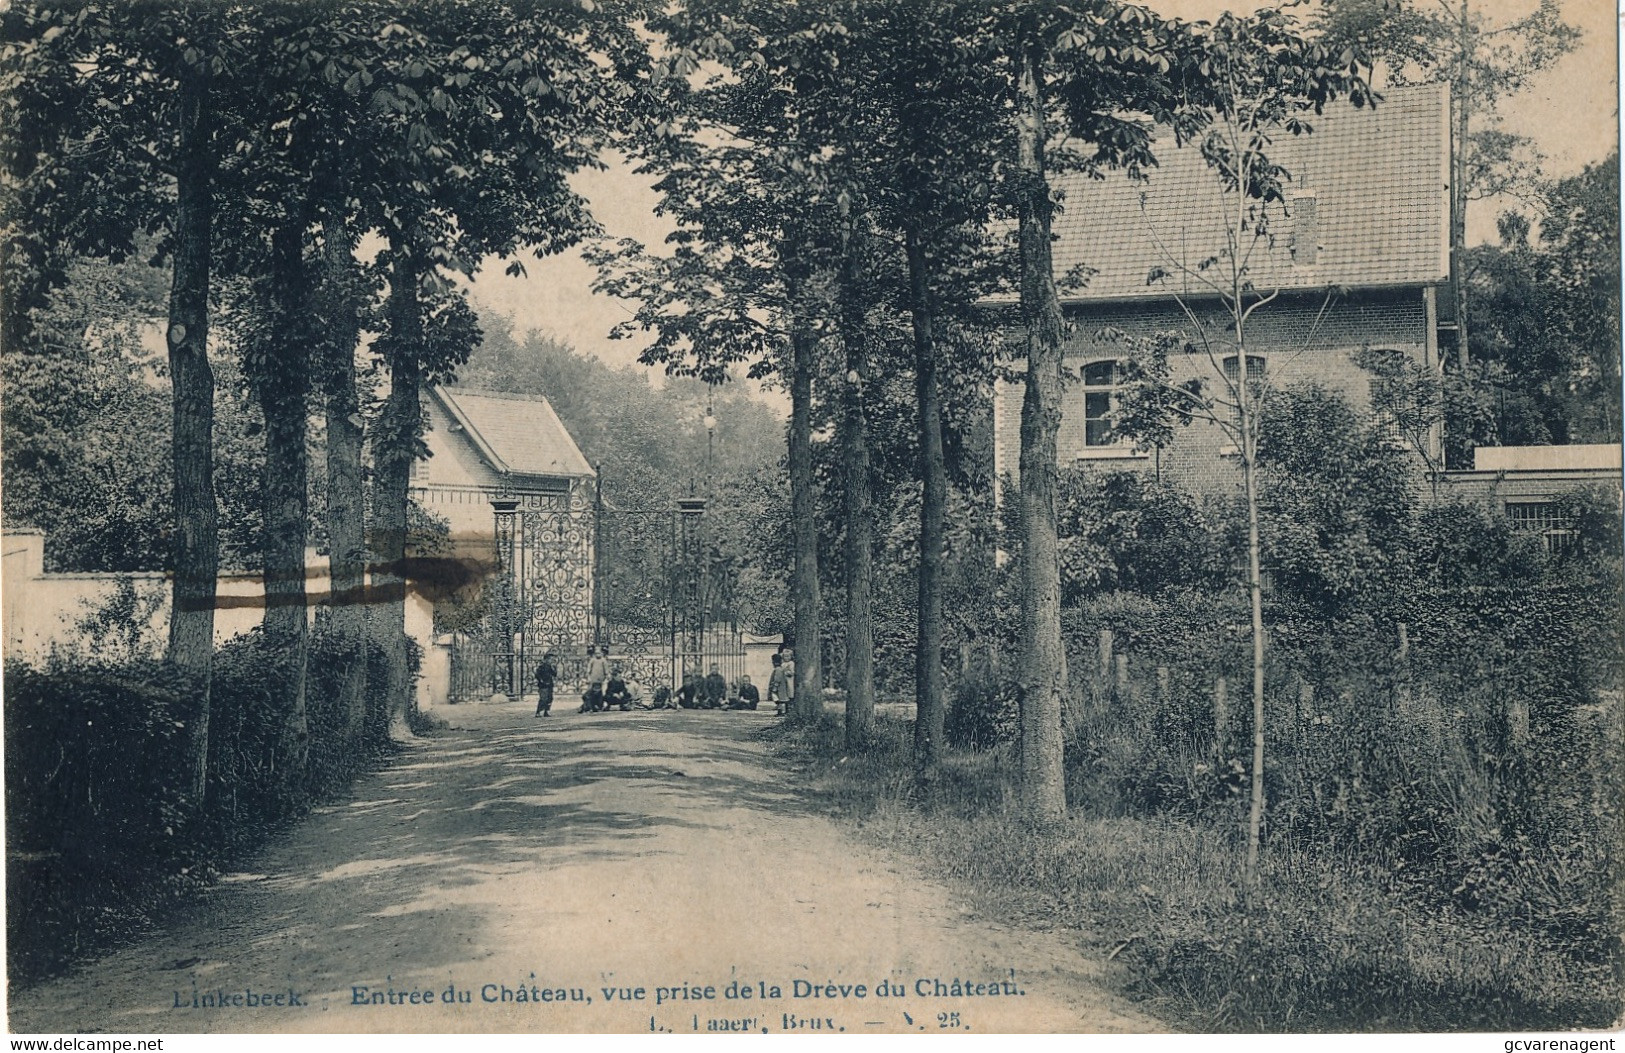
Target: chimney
1305, 229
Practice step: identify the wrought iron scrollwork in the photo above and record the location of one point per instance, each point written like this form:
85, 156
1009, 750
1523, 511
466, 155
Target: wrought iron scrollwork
646, 584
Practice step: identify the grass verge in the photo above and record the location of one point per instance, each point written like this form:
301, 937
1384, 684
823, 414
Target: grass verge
1330, 944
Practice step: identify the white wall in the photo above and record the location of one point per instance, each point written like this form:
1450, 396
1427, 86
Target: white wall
45, 612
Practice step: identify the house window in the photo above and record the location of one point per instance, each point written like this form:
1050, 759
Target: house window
1100, 384
1556, 531
1257, 371
1389, 380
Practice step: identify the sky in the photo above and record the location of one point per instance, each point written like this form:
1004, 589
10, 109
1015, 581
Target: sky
1571, 111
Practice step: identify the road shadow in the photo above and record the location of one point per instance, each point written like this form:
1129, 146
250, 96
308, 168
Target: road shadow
374, 882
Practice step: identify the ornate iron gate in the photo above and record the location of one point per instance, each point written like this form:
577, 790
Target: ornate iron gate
647, 584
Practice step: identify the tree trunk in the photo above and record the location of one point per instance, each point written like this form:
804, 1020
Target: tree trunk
346, 526
1458, 184
393, 453
1255, 817
1041, 684
804, 591
1255, 595
196, 552
929, 683
283, 389
859, 548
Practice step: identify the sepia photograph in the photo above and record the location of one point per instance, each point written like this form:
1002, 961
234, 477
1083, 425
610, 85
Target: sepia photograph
842, 517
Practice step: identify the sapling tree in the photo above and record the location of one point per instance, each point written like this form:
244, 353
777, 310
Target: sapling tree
1409, 397
1265, 80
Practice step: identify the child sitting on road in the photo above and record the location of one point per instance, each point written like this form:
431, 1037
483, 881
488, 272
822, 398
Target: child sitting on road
616, 694
749, 697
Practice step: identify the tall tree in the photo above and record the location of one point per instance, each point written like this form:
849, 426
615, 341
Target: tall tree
755, 271
922, 70
479, 111
857, 482
1041, 675
1485, 61
1082, 74
343, 292
743, 285
119, 118
1074, 73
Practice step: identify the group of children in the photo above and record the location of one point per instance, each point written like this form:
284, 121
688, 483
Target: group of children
607, 687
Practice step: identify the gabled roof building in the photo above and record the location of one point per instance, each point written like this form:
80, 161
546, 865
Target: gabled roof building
1357, 259
485, 445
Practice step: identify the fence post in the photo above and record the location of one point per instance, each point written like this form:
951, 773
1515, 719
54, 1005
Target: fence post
1164, 692
1402, 668
1221, 716
1517, 725
1122, 677
1105, 666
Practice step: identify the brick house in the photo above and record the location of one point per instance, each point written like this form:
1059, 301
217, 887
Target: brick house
1358, 259
1525, 483
484, 445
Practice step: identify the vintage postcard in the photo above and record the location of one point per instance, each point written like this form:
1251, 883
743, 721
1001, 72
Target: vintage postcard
850, 518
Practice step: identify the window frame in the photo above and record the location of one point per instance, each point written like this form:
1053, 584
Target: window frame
1255, 381
1538, 515
1114, 446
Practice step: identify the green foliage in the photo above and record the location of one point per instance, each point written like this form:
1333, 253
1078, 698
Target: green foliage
1545, 324
77, 388
101, 839
119, 629
650, 443
984, 710
1406, 396
1339, 944
1467, 545
81, 382
1485, 57
249, 789
1335, 503
1123, 531
94, 811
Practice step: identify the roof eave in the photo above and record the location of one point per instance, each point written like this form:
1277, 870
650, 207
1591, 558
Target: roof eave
1007, 302
484, 448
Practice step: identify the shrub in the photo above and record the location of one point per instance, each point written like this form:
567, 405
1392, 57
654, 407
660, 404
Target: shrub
251, 787
1122, 531
100, 835
94, 802
983, 713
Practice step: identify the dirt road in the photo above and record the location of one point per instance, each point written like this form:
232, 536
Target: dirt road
619, 872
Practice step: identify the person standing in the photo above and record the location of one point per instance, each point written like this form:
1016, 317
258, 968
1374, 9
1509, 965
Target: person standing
597, 669
546, 673
778, 686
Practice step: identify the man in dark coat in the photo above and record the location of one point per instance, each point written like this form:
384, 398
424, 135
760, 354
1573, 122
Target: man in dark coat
546, 673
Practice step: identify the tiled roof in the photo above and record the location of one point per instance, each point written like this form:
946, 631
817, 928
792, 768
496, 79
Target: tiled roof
515, 433
1379, 181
